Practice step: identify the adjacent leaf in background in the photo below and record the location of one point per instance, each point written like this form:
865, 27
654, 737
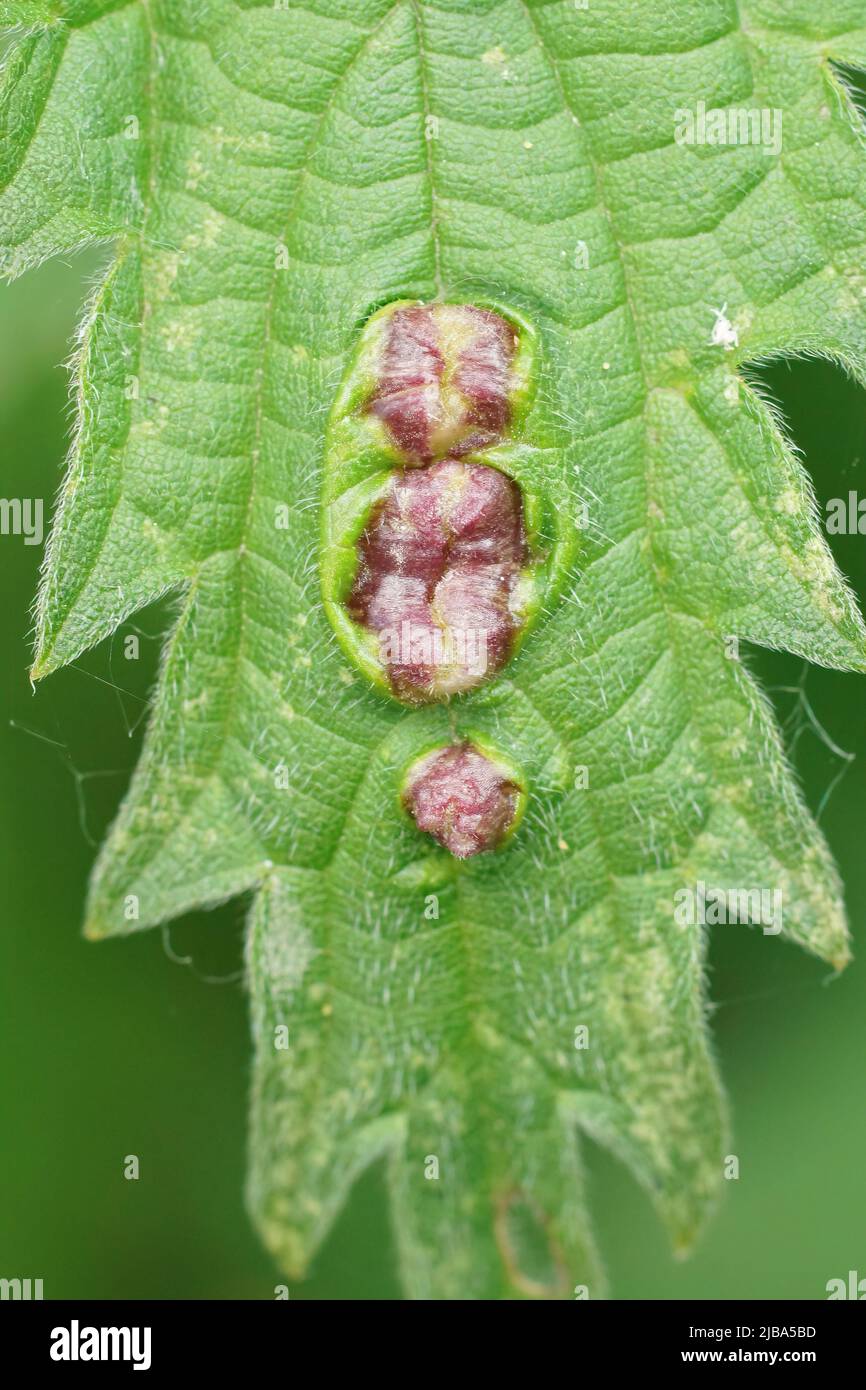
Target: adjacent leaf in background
269, 175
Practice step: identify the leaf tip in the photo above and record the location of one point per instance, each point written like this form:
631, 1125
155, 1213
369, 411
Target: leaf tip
686, 1233
290, 1253
44, 659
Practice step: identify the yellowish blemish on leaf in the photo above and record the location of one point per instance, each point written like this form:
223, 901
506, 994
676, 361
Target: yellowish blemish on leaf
194, 171
789, 502
164, 269
179, 333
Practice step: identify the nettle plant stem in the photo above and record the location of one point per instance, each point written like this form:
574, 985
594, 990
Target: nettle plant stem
435, 558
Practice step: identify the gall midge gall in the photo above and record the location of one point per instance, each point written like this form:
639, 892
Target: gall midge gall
438, 575
444, 380
464, 798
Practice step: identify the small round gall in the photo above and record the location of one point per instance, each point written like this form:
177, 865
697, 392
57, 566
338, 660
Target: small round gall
467, 799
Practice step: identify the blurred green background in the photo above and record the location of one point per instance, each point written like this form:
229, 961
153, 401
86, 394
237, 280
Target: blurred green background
123, 1048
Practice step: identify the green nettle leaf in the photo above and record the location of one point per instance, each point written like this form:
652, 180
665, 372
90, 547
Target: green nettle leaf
666, 193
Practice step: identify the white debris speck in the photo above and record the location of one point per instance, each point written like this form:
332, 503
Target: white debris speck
724, 333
